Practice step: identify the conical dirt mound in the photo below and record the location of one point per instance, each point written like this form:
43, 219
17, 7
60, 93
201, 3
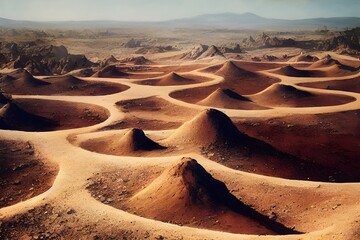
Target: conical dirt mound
133, 143
225, 98
173, 77
110, 72
136, 140
209, 127
232, 72
170, 79
13, 117
186, 191
68, 80
24, 78
294, 72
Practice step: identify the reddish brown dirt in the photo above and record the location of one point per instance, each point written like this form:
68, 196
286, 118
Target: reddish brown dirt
349, 85
174, 79
133, 143
225, 98
280, 95
295, 72
191, 205
249, 66
65, 115
23, 172
334, 137
25, 84
146, 124
151, 105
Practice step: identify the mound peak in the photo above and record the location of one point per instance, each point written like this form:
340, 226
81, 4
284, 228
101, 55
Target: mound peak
226, 98
229, 93
199, 186
230, 71
294, 72
329, 61
24, 76
287, 91
110, 71
173, 76
136, 140
208, 127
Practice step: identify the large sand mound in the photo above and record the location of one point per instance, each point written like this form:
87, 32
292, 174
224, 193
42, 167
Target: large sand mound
243, 81
134, 142
22, 78
289, 96
209, 127
232, 72
225, 98
294, 72
186, 192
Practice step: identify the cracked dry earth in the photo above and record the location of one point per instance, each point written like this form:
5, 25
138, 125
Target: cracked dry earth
224, 151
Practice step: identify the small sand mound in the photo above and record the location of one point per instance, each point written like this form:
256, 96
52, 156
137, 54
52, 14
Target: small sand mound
110, 60
110, 72
68, 80
136, 140
232, 72
329, 61
24, 78
282, 91
174, 78
132, 143
225, 98
13, 117
294, 72
304, 58
326, 61
186, 191
170, 79
209, 127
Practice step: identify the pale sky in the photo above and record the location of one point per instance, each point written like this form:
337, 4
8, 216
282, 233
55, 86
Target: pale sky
158, 10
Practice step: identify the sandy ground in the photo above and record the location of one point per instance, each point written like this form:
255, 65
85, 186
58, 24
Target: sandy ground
72, 209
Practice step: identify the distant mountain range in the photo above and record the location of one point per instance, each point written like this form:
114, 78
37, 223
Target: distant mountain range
223, 20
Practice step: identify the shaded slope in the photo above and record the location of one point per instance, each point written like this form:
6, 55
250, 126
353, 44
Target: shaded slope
243, 81
13, 117
168, 80
186, 193
110, 72
132, 143
294, 72
225, 98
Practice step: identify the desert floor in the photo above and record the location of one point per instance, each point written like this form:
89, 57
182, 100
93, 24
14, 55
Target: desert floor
285, 144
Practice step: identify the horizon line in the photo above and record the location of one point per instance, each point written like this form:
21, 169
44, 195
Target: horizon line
172, 19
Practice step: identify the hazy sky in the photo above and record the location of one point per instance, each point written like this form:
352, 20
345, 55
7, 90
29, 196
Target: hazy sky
154, 10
